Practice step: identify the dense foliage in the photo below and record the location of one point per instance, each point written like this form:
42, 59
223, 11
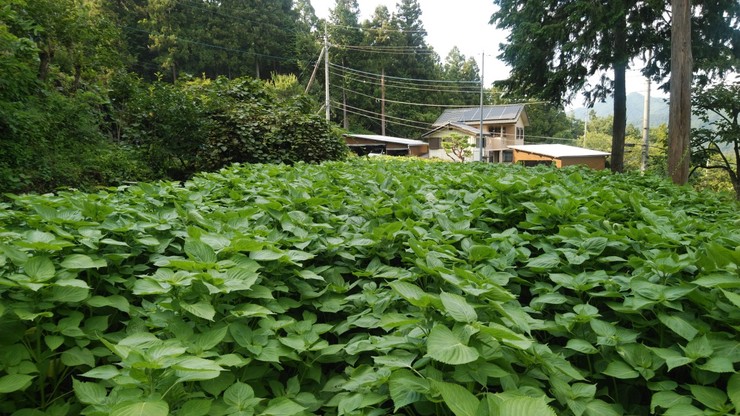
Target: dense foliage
372, 287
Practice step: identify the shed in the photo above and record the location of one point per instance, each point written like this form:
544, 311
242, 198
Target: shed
363, 144
559, 154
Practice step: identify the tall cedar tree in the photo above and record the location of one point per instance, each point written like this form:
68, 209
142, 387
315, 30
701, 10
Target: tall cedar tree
345, 34
555, 46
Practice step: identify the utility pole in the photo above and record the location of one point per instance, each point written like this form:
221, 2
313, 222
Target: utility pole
315, 70
483, 68
646, 128
327, 102
382, 102
585, 127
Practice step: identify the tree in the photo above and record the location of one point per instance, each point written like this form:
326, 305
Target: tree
457, 147
679, 116
555, 46
458, 67
717, 144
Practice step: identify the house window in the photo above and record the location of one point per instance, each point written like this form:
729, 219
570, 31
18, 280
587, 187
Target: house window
520, 133
497, 130
435, 143
493, 156
508, 156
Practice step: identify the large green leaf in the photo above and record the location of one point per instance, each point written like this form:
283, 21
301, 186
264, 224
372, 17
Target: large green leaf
14, 382
461, 401
82, 261
144, 408
89, 393
444, 346
406, 388
39, 269
458, 308
200, 251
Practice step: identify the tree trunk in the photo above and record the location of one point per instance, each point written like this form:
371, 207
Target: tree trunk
619, 125
679, 118
45, 56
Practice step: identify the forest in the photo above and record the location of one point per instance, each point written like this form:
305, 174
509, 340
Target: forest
101, 92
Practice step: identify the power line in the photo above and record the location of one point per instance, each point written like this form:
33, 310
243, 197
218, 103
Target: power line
402, 85
404, 79
409, 103
388, 121
422, 124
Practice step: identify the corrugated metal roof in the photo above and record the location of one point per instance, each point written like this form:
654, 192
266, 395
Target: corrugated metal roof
558, 150
490, 113
388, 139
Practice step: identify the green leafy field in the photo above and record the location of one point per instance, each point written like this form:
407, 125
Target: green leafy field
372, 287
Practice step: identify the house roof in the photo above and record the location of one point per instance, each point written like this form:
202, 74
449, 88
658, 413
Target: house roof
499, 113
388, 139
558, 151
455, 126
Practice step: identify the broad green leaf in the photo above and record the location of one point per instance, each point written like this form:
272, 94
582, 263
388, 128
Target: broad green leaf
283, 406
506, 335
510, 404
461, 401
201, 309
406, 388
78, 356
458, 308
82, 261
679, 326
15, 382
620, 369
582, 346
266, 255
601, 408
200, 251
732, 297
89, 393
444, 346
240, 395
711, 397
145, 408
39, 269
733, 390
667, 399
412, 293
196, 407
719, 365
683, 410
53, 341
545, 261
698, 348
104, 372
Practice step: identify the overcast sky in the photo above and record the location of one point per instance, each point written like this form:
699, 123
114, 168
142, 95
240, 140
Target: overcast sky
462, 23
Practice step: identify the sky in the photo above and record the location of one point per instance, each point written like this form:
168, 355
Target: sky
464, 23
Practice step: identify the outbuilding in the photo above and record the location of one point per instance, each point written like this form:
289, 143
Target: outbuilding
363, 144
559, 155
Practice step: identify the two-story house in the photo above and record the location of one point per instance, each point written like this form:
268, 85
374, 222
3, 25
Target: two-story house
503, 126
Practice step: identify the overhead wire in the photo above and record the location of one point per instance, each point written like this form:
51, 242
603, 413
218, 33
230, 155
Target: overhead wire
421, 124
400, 85
408, 102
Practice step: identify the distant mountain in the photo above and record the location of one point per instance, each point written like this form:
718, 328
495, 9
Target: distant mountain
635, 107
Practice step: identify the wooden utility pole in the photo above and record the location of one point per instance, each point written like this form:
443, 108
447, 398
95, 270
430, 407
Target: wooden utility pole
679, 118
327, 102
645, 129
382, 102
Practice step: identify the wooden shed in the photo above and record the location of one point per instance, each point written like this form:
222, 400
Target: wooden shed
393, 146
559, 155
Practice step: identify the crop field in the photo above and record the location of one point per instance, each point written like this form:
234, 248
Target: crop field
371, 288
